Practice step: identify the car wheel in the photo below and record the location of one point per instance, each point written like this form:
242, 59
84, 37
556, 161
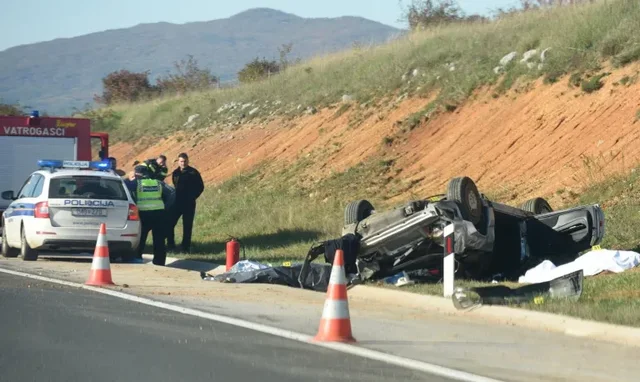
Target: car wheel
357, 211
28, 253
464, 192
6, 250
537, 206
128, 256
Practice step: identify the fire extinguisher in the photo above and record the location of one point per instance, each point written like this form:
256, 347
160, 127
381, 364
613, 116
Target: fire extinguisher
233, 252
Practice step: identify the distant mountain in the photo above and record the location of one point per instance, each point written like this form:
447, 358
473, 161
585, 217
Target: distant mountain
57, 75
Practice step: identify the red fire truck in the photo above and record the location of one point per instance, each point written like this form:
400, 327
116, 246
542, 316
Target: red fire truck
25, 139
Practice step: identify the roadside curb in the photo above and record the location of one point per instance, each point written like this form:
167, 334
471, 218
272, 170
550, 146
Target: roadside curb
567, 325
190, 265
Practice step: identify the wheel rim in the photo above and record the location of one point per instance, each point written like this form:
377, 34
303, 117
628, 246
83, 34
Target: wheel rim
23, 243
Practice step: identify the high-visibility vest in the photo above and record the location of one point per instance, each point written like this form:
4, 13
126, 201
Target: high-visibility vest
149, 195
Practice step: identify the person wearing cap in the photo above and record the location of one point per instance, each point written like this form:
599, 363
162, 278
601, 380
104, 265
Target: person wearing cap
188, 188
152, 199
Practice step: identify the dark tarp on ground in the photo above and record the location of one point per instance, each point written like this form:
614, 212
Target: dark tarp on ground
568, 286
316, 279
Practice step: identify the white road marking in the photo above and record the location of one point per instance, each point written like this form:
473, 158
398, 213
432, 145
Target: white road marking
345, 348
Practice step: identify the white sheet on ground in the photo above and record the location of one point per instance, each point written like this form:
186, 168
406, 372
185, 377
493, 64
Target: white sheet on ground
591, 263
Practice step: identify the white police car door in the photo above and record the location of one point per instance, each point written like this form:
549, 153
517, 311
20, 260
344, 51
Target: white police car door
22, 209
86, 201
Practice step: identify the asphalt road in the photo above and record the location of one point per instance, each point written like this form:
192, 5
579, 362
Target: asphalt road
52, 332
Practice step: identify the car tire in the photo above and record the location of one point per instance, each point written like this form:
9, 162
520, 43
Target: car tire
357, 211
537, 206
6, 250
128, 256
464, 192
28, 253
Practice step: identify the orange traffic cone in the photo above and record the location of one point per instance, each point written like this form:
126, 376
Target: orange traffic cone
100, 273
335, 325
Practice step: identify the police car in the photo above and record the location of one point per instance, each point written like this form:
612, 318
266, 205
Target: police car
61, 206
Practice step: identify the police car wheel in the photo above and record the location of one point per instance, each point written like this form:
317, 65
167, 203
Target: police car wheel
6, 250
28, 253
128, 255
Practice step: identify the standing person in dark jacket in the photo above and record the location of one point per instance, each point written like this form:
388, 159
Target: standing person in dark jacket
189, 186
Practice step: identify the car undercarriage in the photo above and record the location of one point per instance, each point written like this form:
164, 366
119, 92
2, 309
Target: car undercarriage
490, 238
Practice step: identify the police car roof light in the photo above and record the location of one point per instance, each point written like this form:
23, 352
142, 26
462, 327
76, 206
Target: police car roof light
101, 165
54, 163
50, 163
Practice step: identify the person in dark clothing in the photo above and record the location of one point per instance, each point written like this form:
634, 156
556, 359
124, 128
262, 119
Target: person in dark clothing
189, 186
114, 166
152, 198
158, 167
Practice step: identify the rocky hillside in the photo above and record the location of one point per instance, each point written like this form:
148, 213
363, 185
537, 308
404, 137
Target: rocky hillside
57, 75
551, 141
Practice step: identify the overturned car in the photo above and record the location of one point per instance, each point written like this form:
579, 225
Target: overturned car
489, 238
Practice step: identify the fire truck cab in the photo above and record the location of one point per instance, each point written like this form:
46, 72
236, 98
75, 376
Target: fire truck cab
25, 139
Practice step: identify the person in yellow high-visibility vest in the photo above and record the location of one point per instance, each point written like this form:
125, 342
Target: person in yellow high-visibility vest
152, 199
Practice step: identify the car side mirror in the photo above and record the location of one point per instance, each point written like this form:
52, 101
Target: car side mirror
8, 195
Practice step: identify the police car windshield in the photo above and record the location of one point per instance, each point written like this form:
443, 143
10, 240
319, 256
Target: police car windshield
86, 187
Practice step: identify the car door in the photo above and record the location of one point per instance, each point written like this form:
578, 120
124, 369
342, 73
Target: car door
20, 208
564, 232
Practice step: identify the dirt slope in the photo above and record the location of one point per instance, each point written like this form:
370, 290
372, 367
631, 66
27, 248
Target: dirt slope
522, 144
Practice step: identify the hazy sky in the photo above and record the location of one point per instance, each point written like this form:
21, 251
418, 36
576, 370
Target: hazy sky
29, 21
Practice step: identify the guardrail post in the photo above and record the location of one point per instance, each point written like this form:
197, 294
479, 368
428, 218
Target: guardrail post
448, 266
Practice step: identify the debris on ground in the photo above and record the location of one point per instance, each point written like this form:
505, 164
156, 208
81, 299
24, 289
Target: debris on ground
567, 287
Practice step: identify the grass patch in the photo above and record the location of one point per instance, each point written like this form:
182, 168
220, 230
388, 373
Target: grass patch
452, 61
608, 298
593, 84
627, 56
388, 141
575, 80
413, 120
341, 110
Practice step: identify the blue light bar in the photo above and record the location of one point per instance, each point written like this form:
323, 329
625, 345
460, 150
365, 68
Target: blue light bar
50, 163
96, 165
101, 165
